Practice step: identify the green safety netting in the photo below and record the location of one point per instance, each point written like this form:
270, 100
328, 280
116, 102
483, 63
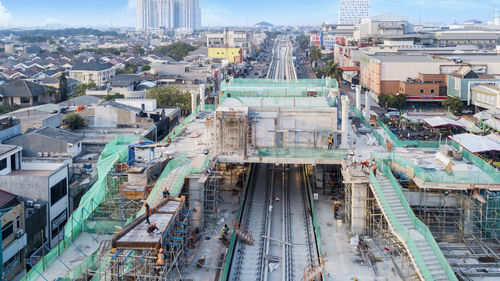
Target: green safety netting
278, 88
377, 135
403, 143
116, 150
229, 256
403, 232
179, 128
439, 176
478, 161
282, 102
305, 152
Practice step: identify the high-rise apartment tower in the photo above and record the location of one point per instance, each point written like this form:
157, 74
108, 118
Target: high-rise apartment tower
168, 14
352, 11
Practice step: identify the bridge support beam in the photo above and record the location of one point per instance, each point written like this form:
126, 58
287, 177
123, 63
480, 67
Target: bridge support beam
359, 196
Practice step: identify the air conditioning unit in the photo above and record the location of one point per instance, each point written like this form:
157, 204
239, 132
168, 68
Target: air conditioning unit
45, 154
19, 233
29, 203
40, 154
37, 206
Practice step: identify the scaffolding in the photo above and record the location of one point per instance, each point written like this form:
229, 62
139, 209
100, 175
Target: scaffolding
135, 260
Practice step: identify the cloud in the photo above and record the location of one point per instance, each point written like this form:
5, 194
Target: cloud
5, 17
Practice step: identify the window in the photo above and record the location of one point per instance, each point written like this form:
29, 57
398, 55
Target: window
7, 230
3, 164
432, 91
421, 91
35, 99
25, 100
58, 223
58, 191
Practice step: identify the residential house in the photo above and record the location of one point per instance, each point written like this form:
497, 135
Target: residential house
96, 72
47, 142
9, 127
24, 93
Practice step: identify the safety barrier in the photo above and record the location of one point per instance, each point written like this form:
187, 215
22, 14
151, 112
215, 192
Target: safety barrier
404, 143
230, 250
417, 223
403, 231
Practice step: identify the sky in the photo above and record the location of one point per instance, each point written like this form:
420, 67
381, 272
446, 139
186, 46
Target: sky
120, 13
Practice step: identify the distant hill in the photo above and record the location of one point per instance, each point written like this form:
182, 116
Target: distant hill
263, 24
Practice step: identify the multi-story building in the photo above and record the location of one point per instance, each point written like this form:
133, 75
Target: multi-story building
231, 39
352, 11
14, 238
154, 15
98, 73
45, 181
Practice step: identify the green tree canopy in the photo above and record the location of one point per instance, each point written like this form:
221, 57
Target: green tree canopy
303, 41
454, 104
82, 88
171, 97
177, 50
138, 50
392, 101
74, 121
63, 88
315, 53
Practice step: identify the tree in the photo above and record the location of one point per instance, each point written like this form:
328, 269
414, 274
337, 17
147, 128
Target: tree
146, 67
454, 104
74, 121
63, 88
177, 50
129, 68
315, 53
138, 50
82, 88
171, 97
113, 96
332, 70
303, 41
393, 101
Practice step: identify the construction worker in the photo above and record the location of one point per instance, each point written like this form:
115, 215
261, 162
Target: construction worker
330, 142
161, 258
336, 208
166, 193
147, 212
364, 164
374, 169
373, 161
225, 230
152, 228
169, 140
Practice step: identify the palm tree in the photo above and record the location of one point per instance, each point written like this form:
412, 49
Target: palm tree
333, 71
315, 53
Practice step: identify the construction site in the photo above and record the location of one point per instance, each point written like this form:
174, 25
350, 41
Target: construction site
282, 179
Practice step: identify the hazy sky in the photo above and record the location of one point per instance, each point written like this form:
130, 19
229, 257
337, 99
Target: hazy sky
236, 12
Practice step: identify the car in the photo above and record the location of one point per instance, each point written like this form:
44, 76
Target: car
353, 86
343, 82
466, 111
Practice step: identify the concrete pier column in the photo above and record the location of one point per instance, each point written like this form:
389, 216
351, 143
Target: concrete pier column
359, 195
345, 122
202, 97
358, 97
193, 101
367, 106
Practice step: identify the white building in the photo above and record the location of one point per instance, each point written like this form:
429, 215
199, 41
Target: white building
181, 15
231, 39
95, 72
43, 181
352, 11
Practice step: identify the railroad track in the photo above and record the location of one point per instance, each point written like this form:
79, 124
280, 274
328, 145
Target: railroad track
277, 211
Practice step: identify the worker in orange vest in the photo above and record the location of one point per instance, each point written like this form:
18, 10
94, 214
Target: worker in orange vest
161, 258
374, 169
147, 212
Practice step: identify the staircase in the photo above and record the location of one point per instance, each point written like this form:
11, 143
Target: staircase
423, 250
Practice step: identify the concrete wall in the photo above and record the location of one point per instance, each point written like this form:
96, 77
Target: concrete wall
295, 127
107, 116
10, 132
